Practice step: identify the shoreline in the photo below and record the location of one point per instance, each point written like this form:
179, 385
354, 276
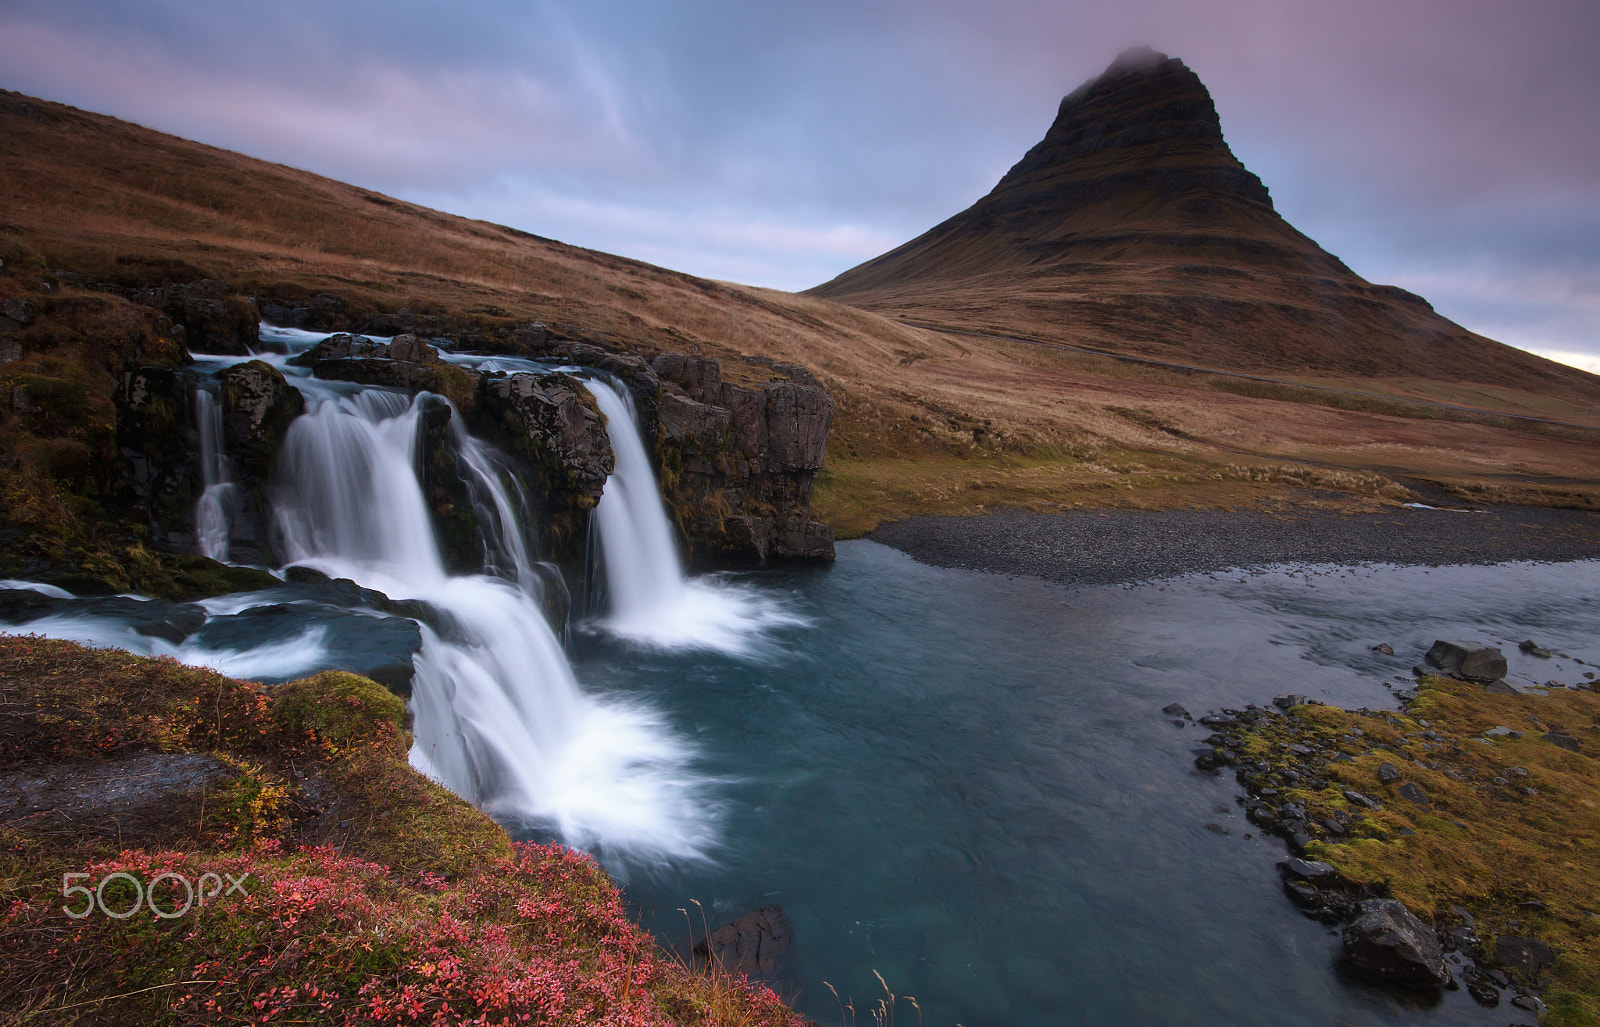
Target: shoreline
1115, 547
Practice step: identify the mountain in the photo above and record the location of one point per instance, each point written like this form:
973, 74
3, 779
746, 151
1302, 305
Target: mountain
1131, 227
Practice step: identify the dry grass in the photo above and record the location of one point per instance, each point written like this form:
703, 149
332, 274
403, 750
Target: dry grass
124, 206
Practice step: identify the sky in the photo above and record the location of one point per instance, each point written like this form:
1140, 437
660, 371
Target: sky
1451, 147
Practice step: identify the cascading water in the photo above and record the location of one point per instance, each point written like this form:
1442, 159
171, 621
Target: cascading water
499, 717
219, 497
651, 601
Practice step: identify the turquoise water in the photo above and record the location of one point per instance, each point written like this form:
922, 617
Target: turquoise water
963, 781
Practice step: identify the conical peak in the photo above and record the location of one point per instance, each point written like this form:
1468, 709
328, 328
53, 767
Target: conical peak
1147, 122
1136, 62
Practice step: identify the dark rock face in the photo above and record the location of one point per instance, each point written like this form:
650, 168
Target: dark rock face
215, 319
1387, 943
551, 425
1480, 664
159, 447
753, 945
321, 311
738, 462
258, 405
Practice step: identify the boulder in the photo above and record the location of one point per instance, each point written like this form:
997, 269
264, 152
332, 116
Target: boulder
1386, 943
214, 317
258, 405
753, 945
1524, 955
1567, 742
1481, 664
550, 423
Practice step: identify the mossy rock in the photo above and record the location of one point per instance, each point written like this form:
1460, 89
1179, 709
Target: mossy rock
339, 708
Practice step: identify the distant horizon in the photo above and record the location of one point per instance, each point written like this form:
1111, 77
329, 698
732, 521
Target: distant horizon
1450, 152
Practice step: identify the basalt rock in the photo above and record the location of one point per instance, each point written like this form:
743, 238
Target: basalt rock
738, 461
323, 311
1480, 664
214, 317
1387, 943
753, 945
550, 423
258, 405
159, 447
445, 489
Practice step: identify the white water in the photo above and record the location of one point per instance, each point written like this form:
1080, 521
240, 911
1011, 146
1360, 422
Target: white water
220, 497
499, 718
651, 602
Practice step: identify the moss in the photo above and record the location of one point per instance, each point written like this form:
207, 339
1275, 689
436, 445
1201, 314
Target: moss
418, 908
337, 709
1508, 823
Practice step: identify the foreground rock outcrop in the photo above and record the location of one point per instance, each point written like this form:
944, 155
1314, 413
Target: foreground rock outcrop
1450, 846
279, 861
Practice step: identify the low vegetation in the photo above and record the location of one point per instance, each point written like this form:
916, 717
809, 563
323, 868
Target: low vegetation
365, 893
1505, 825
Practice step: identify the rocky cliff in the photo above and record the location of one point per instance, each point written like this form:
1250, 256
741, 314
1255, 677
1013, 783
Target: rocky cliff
736, 460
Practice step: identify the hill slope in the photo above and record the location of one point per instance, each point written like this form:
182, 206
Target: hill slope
1132, 227
93, 208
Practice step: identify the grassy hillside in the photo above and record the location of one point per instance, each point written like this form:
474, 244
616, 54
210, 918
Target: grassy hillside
92, 207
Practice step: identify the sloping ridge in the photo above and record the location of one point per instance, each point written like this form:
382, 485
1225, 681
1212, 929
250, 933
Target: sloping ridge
1132, 227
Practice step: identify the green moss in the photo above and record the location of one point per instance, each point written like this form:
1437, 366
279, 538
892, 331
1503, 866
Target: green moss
337, 708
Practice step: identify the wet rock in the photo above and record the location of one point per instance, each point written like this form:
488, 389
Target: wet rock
19, 605
462, 544
159, 449
215, 318
258, 405
754, 945
1175, 710
1284, 702
1532, 648
1480, 664
1387, 943
1525, 955
1385, 648
551, 424
1316, 873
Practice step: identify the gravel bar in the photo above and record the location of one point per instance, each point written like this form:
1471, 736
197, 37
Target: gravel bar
1103, 547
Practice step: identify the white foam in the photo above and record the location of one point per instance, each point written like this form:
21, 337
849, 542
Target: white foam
652, 603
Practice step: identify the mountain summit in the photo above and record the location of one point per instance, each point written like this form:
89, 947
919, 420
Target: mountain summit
1132, 227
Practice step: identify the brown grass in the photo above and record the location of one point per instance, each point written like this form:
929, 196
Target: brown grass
123, 206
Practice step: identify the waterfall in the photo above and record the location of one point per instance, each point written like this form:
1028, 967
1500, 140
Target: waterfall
219, 496
499, 716
652, 603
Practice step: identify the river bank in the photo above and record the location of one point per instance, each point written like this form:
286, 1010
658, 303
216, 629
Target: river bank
1105, 547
